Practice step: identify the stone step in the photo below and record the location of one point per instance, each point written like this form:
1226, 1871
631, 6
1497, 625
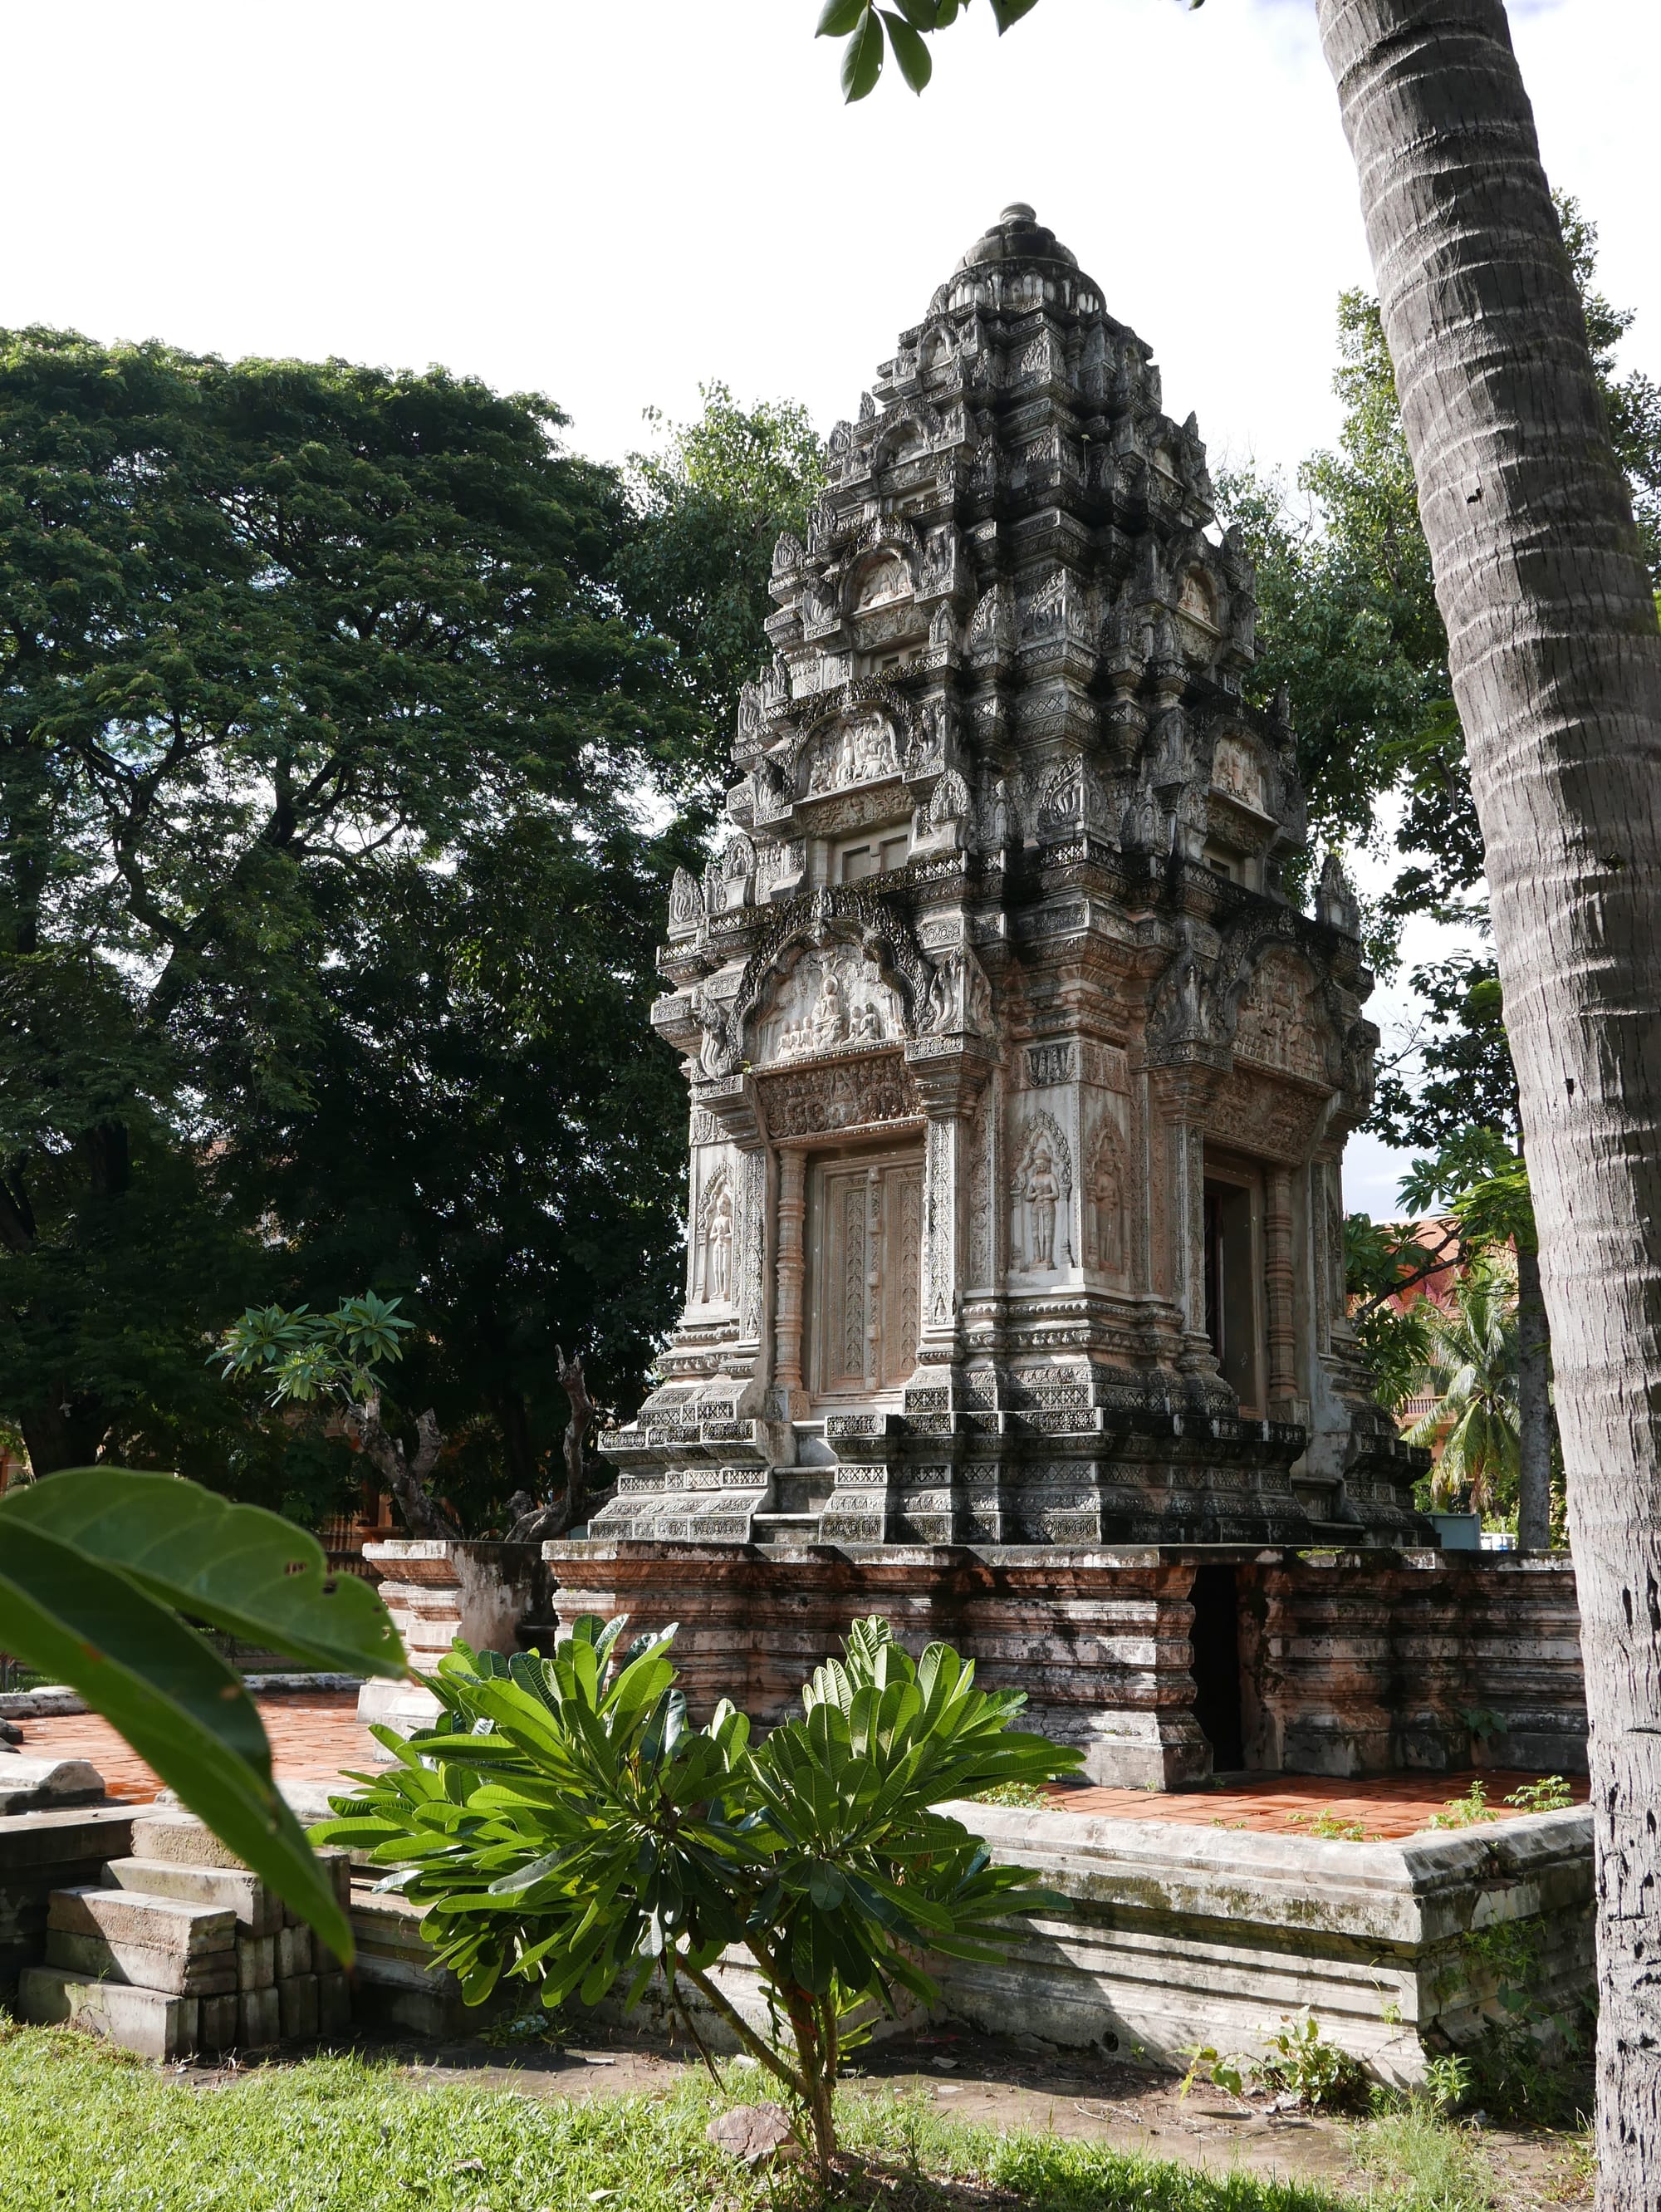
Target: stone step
182, 1840
143, 1966
160, 1924
233, 1889
155, 2023
258, 2019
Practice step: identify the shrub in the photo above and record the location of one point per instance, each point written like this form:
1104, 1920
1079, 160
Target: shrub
563, 1822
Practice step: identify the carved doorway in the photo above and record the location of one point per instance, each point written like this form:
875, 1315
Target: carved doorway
864, 1272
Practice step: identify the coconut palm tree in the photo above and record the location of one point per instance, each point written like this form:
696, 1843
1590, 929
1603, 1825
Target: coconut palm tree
1471, 1364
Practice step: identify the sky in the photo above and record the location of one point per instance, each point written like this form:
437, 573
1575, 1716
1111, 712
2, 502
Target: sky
613, 202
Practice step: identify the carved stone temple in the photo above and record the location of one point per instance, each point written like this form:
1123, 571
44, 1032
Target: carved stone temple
1020, 1078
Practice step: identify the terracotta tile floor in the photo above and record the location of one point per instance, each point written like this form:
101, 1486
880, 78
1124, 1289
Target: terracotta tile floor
1387, 1805
314, 1737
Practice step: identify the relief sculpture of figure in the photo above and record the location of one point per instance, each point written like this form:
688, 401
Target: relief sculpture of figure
719, 1281
1043, 1195
829, 1020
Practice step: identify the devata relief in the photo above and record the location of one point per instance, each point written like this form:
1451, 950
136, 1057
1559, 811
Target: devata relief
1019, 1082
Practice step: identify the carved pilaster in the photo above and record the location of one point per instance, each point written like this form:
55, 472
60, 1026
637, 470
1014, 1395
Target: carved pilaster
1277, 1269
787, 1299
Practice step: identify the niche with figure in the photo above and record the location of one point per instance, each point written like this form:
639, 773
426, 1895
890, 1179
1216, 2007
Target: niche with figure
1041, 1201
713, 1248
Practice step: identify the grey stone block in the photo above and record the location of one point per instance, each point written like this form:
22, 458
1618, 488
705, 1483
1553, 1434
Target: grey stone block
258, 1912
298, 2007
217, 2023
152, 2022
163, 1924
258, 2019
174, 1974
294, 1951
181, 1839
255, 1962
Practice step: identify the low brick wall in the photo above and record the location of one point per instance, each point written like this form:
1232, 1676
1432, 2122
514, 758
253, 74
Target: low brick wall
41, 1852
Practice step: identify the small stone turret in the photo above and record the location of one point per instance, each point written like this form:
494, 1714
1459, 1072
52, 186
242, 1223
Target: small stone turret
1019, 1086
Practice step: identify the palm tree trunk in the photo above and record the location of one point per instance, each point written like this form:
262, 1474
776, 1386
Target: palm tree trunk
1533, 1408
1556, 665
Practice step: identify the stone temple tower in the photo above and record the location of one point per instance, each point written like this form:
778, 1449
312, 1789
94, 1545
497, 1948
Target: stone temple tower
1019, 1081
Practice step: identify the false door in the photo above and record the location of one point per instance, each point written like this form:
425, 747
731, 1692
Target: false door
865, 1253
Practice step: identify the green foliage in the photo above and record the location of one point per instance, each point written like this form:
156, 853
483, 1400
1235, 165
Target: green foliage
304, 1355
1471, 1811
864, 24
1471, 1367
1327, 1826
98, 1565
709, 508
1297, 2062
1551, 1794
564, 1824
326, 916
1416, 2163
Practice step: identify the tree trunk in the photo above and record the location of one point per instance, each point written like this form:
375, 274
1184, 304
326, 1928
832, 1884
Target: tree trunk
1533, 1409
545, 1524
1556, 666
423, 1514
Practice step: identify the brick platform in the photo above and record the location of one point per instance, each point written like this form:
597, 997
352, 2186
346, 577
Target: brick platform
315, 1737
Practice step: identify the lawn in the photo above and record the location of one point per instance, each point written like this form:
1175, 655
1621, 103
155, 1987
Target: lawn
92, 2129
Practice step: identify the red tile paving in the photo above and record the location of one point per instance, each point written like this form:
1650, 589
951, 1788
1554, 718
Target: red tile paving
1386, 1805
315, 1736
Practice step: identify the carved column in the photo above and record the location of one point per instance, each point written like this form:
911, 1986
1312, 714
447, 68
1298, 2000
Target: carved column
787, 1296
950, 1073
1180, 1094
1277, 1269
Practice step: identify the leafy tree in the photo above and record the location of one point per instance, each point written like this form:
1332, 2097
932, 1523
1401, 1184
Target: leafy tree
103, 1571
307, 674
1554, 663
1470, 1364
711, 506
563, 1823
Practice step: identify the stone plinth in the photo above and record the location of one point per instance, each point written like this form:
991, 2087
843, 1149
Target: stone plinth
1096, 1640
436, 1592
1341, 1664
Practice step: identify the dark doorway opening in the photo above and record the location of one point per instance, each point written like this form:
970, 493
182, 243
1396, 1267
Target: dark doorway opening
1216, 1639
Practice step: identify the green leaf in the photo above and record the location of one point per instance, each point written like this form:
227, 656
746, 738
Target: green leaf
920, 14
1010, 11
916, 63
243, 1569
862, 57
173, 1697
838, 17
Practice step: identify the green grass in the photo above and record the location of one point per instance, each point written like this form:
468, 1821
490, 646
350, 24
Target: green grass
91, 2130
1414, 2160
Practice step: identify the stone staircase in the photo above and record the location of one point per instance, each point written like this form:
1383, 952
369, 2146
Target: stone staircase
180, 1950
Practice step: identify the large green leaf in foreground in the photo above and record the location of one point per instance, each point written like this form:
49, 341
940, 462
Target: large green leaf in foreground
93, 1565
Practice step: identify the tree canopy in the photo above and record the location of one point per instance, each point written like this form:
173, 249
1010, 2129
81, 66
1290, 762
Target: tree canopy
325, 902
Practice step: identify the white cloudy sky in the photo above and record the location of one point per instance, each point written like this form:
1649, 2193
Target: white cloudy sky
610, 200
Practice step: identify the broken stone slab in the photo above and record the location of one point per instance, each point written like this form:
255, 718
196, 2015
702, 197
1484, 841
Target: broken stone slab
27, 1784
258, 1910
153, 2022
144, 1965
161, 1923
